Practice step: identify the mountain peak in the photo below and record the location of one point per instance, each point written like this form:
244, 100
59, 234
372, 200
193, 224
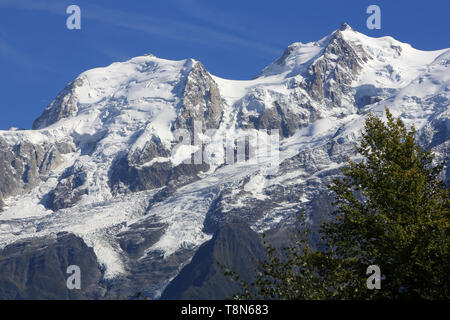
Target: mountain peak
298, 56
345, 26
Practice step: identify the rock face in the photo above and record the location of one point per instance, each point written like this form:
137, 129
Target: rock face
201, 102
23, 165
110, 160
135, 172
142, 169
65, 105
37, 269
235, 246
7, 175
329, 78
69, 189
322, 83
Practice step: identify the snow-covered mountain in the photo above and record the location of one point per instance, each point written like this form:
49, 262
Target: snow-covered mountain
104, 161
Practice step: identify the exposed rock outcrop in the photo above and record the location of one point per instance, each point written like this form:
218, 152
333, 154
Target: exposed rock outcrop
201, 101
64, 105
235, 246
69, 189
24, 165
37, 269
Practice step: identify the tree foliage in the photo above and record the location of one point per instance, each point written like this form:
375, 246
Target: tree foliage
391, 210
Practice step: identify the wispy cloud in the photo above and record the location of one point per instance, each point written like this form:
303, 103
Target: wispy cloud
219, 18
20, 57
148, 23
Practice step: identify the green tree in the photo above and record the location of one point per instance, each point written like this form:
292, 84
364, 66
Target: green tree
391, 210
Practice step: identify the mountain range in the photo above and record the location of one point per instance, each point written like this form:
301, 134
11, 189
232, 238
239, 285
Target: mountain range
105, 178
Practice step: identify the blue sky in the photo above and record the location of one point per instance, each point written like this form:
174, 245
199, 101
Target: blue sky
233, 38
